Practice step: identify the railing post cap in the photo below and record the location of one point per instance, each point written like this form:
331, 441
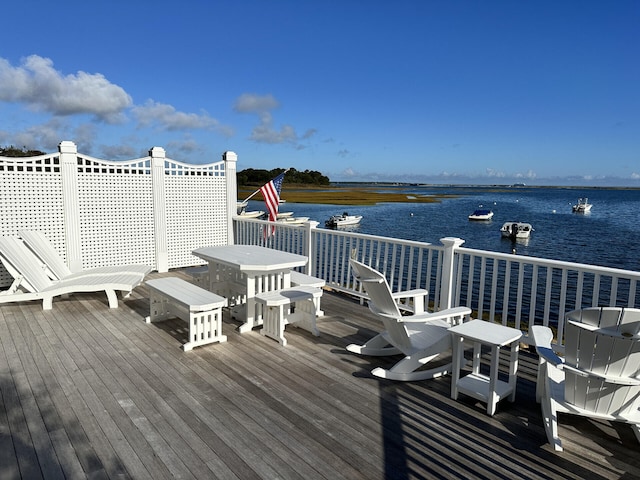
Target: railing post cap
230, 156
157, 152
67, 146
451, 241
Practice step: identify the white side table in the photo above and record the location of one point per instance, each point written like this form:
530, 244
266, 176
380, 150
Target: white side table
487, 389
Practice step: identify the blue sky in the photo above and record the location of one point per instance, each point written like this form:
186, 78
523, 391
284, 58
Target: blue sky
541, 92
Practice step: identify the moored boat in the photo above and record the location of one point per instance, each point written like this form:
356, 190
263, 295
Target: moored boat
293, 220
242, 211
516, 230
343, 220
481, 214
583, 206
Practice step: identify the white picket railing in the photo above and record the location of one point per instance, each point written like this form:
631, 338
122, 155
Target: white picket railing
510, 289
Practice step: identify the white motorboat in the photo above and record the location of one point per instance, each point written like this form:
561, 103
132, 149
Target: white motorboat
251, 214
343, 220
583, 206
293, 220
516, 230
282, 215
481, 214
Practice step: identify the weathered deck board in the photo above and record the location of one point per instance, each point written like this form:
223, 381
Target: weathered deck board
88, 391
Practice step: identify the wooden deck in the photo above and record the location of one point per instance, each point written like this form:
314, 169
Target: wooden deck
88, 391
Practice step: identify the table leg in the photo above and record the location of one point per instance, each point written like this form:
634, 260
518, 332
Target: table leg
458, 351
477, 352
248, 325
513, 369
492, 400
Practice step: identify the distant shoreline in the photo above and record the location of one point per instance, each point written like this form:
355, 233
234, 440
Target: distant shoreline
355, 193
338, 195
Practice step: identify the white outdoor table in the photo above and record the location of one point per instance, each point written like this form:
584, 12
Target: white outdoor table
487, 389
239, 272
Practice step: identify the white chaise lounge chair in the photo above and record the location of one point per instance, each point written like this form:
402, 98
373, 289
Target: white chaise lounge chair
59, 270
420, 337
599, 376
32, 283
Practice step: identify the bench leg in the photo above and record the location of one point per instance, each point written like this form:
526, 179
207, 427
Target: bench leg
204, 328
305, 315
316, 302
158, 310
273, 323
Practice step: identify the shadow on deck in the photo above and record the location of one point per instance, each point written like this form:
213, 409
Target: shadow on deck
91, 391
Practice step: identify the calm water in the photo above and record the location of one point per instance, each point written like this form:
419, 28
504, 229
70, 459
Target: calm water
608, 236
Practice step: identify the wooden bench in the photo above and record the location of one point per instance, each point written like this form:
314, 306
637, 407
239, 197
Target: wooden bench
303, 280
294, 305
172, 297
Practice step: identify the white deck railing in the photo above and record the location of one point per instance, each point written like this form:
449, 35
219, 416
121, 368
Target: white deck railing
510, 289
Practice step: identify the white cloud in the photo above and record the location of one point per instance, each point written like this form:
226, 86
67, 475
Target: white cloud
495, 173
252, 103
265, 131
38, 85
166, 117
119, 152
45, 136
187, 146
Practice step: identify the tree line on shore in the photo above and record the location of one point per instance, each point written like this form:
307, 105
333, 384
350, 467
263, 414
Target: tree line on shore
257, 177
12, 151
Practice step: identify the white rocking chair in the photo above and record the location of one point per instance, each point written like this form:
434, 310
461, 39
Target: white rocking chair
421, 337
599, 376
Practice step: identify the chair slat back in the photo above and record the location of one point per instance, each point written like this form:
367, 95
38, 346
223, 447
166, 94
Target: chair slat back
598, 343
382, 303
26, 263
44, 249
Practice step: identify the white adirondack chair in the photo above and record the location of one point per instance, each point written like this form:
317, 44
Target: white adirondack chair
599, 376
421, 337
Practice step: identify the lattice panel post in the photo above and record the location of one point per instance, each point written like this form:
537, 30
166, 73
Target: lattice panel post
69, 165
308, 245
231, 159
446, 290
159, 209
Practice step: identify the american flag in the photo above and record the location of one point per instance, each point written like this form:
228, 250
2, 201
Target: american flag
271, 194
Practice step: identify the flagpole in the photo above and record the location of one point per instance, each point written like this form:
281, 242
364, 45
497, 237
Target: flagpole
253, 194
250, 196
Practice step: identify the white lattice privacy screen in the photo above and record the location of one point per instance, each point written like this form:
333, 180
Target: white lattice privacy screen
150, 210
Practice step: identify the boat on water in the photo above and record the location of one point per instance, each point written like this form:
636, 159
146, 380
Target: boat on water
481, 214
343, 220
293, 220
242, 211
583, 206
516, 230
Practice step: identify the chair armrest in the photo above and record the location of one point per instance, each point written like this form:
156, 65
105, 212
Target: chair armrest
370, 280
441, 315
418, 295
607, 378
542, 337
416, 292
